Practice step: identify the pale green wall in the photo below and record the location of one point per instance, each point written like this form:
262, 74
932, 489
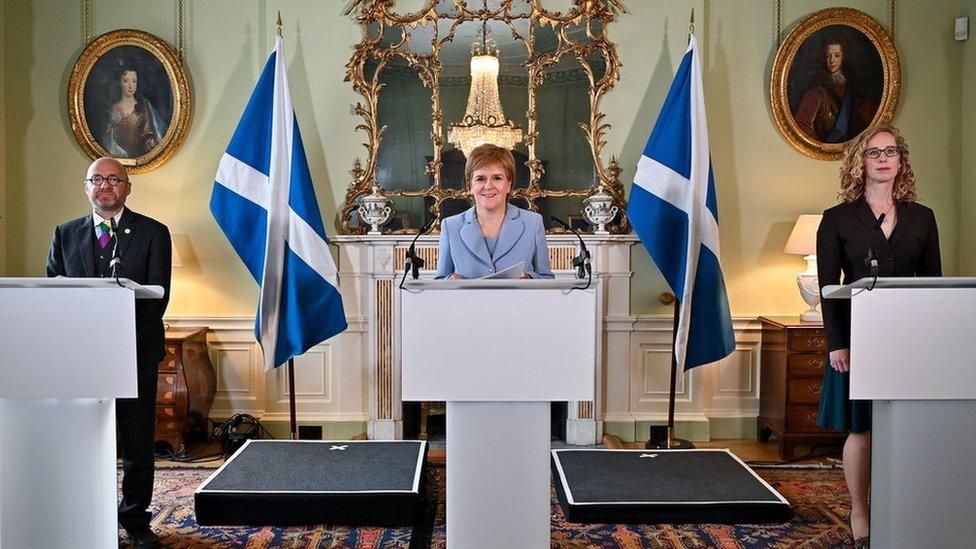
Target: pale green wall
967, 182
3, 152
763, 184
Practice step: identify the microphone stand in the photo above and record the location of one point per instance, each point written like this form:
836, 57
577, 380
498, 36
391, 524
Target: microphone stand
413, 264
581, 261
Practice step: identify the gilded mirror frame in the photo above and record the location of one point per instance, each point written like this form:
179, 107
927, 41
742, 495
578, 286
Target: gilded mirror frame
370, 58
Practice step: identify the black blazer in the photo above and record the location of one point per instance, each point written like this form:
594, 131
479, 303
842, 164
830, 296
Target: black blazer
846, 234
146, 252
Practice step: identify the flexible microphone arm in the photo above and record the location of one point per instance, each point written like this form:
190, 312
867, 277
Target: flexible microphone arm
413, 263
872, 263
581, 261
116, 261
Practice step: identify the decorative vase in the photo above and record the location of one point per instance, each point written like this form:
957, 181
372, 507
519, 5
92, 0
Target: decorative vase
598, 210
375, 209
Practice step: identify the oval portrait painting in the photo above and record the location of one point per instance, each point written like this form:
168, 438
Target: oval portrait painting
129, 99
835, 74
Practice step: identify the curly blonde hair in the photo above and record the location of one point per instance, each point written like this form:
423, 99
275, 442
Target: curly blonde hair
852, 169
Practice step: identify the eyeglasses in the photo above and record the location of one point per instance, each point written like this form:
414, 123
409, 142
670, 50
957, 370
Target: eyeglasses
112, 180
888, 151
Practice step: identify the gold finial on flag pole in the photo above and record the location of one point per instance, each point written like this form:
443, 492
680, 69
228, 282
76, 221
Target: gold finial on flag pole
691, 23
280, 35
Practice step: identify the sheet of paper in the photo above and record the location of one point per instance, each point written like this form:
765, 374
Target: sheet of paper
515, 271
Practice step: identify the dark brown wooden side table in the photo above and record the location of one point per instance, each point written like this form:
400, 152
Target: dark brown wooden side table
186, 386
794, 355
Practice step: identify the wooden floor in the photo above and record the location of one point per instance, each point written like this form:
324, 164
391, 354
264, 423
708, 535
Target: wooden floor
748, 450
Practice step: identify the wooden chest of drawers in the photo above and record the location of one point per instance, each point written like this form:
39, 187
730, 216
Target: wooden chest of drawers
185, 388
794, 355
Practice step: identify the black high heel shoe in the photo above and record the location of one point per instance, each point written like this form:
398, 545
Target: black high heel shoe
859, 543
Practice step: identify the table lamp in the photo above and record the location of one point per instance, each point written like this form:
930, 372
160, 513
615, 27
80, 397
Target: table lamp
803, 241
177, 261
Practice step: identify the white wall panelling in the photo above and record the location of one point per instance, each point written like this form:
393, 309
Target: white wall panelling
327, 387
355, 376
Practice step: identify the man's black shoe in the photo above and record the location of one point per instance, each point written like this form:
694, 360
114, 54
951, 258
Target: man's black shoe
143, 538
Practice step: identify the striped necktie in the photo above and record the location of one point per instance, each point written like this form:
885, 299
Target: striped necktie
104, 233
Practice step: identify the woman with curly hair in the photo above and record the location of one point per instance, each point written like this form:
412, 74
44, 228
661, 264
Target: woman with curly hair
878, 218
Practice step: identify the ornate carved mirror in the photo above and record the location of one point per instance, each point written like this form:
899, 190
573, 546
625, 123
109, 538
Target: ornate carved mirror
453, 72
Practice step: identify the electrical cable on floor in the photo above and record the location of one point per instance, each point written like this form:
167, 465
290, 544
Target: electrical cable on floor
215, 436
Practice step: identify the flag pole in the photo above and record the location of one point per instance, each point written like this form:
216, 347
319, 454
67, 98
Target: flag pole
291, 398
291, 361
671, 441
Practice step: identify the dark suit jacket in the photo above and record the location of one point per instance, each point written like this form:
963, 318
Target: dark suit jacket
146, 251
848, 231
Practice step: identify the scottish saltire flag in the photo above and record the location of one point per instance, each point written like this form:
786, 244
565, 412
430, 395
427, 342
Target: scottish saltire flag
674, 212
264, 202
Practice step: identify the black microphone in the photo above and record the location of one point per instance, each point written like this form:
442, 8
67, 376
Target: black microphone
872, 262
414, 263
116, 261
581, 261
881, 219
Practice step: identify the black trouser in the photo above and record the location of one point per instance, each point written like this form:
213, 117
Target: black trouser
136, 420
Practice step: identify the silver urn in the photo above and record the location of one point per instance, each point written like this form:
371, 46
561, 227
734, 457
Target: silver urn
375, 209
598, 210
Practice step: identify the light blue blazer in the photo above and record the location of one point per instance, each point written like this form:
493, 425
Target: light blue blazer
463, 249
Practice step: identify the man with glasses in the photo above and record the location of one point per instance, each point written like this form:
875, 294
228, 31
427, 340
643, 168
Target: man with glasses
115, 241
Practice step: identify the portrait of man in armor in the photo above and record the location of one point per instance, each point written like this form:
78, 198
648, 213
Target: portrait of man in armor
835, 84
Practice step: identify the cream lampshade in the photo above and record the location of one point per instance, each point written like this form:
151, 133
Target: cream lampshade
803, 241
177, 261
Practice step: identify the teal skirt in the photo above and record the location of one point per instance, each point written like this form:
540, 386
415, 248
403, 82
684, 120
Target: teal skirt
837, 410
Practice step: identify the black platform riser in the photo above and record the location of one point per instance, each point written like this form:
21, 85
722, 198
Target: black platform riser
299, 510
297, 483
639, 512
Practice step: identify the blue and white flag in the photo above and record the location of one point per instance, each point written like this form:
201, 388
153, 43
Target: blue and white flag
674, 212
264, 202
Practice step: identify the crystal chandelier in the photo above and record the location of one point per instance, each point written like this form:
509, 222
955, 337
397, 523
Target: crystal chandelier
484, 121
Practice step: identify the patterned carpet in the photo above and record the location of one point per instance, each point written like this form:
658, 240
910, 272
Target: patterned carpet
818, 497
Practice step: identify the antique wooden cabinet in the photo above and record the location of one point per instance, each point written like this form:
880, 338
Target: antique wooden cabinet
794, 355
185, 388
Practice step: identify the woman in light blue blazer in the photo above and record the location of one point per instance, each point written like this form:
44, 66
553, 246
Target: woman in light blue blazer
493, 235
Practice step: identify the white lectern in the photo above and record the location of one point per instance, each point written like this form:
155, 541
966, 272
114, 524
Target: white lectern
498, 351
67, 350
913, 344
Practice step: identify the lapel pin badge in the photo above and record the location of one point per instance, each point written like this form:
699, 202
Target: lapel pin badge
127, 231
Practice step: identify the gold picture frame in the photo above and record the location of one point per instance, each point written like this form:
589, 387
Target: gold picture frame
836, 73
129, 98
